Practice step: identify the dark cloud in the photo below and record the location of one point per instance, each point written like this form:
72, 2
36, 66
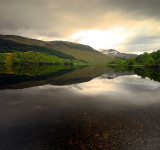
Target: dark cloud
63, 14
138, 8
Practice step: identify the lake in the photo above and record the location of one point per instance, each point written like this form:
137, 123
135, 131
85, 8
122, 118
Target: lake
87, 108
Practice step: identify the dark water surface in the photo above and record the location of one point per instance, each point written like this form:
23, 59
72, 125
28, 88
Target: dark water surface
78, 108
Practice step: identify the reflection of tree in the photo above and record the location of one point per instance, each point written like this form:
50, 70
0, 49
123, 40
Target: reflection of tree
153, 74
28, 76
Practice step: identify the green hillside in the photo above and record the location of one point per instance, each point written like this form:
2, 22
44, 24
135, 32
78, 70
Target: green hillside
59, 48
30, 57
12, 46
23, 40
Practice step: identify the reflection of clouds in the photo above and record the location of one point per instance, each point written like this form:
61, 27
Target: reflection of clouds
97, 86
128, 89
121, 93
138, 90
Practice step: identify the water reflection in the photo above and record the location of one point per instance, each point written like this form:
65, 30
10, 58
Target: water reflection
12, 77
152, 73
102, 113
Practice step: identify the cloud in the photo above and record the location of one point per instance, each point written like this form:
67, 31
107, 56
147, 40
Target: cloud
54, 20
145, 39
136, 8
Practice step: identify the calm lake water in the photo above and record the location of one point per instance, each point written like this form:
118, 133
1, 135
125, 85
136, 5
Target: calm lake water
90, 108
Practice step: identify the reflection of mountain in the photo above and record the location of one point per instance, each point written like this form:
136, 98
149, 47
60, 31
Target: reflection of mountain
116, 54
17, 77
115, 74
28, 76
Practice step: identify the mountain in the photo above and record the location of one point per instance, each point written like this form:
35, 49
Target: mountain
62, 49
116, 54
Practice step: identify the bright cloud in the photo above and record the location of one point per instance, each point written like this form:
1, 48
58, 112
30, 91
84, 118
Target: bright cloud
100, 38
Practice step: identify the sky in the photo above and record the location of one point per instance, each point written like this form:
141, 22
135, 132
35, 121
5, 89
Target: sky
131, 26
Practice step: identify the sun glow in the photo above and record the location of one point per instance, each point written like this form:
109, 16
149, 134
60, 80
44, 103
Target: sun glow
100, 39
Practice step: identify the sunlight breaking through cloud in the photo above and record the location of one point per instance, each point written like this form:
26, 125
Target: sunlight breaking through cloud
100, 38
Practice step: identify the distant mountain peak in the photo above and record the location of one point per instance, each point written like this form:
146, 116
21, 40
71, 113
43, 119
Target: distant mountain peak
116, 54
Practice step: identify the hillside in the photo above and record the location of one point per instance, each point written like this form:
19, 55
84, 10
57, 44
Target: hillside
27, 58
116, 54
12, 46
79, 51
61, 49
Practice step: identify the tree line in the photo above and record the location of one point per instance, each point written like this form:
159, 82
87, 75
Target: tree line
26, 58
146, 59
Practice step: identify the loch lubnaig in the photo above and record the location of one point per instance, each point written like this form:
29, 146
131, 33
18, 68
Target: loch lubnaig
79, 75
